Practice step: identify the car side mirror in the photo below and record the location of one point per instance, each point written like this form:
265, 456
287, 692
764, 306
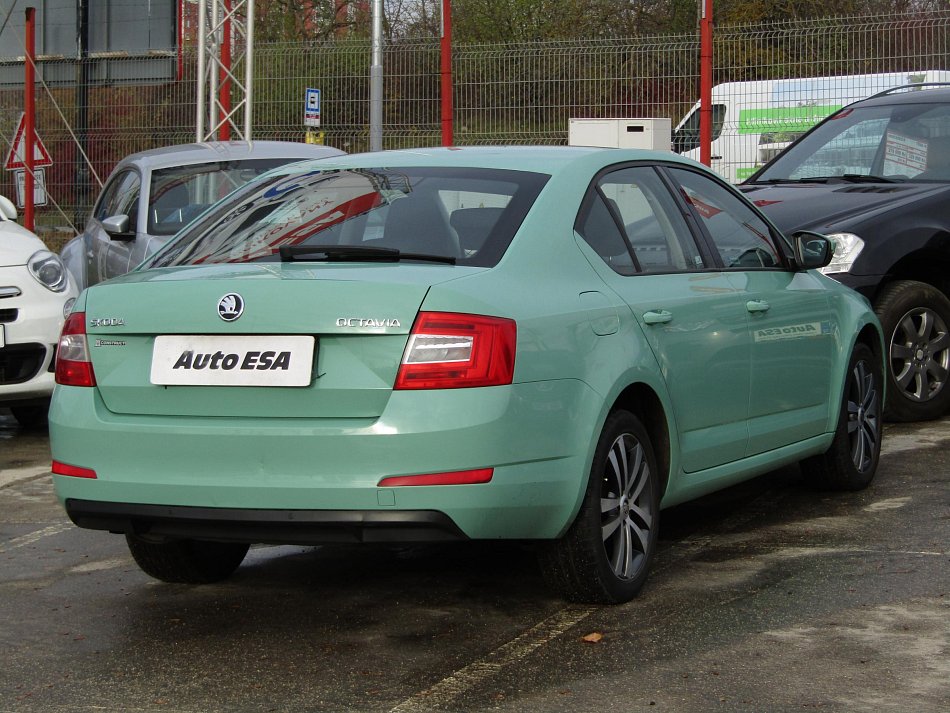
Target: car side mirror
117, 227
813, 251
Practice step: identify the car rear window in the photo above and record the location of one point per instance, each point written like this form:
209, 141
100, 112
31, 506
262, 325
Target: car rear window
470, 214
180, 193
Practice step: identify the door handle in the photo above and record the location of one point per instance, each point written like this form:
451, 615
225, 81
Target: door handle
757, 306
657, 317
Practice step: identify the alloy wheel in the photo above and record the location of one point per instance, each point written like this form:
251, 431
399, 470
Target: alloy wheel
864, 418
920, 354
626, 506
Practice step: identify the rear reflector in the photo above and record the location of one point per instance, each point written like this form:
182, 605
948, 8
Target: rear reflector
73, 366
73, 471
453, 351
459, 477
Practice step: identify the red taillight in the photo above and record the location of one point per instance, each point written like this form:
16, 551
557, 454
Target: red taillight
459, 477
72, 470
73, 366
454, 351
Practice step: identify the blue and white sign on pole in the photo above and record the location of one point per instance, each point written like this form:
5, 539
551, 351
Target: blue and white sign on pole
311, 114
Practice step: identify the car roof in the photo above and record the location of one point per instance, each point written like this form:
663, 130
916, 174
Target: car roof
926, 95
187, 154
551, 160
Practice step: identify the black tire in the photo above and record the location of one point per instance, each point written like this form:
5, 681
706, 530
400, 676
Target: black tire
587, 566
31, 418
187, 561
851, 461
915, 317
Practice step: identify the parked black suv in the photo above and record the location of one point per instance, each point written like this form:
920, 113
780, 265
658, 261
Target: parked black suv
875, 176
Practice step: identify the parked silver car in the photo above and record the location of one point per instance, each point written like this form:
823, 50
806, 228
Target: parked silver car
151, 195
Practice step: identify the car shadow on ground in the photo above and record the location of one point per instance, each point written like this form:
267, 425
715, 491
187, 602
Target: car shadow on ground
502, 575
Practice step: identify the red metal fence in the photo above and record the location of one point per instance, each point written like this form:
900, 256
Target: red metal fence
504, 93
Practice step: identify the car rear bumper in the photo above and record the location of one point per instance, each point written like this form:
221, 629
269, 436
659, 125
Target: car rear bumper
26, 374
298, 527
537, 437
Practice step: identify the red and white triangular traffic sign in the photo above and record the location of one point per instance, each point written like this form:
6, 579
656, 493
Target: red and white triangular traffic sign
15, 159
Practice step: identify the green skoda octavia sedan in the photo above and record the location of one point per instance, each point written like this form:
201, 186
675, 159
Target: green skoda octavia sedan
545, 344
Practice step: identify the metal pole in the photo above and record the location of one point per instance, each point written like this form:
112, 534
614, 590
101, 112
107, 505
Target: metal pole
376, 81
82, 110
705, 81
29, 124
249, 71
215, 38
180, 38
446, 72
202, 48
224, 87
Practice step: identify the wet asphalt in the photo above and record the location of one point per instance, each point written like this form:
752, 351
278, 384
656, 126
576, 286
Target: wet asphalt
765, 597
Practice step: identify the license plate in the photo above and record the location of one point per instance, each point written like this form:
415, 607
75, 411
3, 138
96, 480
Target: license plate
208, 360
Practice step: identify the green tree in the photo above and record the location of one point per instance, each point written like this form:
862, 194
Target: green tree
488, 21
294, 20
517, 20
754, 11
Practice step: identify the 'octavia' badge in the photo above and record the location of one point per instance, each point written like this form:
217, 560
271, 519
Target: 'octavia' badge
366, 322
230, 307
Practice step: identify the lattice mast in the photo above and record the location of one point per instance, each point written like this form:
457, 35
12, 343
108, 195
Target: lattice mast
225, 42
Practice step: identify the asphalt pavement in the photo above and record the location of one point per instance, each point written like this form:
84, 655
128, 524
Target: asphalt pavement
765, 597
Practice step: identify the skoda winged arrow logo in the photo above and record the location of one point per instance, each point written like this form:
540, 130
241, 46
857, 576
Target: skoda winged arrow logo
230, 307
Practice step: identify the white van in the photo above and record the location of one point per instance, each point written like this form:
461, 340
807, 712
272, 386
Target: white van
753, 121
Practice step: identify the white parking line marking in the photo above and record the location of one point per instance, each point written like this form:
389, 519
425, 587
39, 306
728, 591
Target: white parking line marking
8, 476
923, 436
25, 540
466, 678
890, 504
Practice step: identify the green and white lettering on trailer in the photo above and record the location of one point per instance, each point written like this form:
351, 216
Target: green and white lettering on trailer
754, 121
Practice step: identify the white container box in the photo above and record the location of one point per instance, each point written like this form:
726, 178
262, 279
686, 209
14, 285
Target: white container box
651, 134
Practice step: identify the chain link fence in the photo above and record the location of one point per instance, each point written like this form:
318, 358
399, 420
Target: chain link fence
504, 93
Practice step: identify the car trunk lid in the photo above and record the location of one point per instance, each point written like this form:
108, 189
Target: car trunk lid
356, 319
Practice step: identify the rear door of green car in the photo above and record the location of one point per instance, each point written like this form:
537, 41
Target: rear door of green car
692, 316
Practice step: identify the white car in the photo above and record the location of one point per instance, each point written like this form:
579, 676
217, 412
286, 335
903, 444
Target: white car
36, 293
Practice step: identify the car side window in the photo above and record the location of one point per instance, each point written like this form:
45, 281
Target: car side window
121, 197
599, 228
740, 236
686, 137
654, 226
652, 222
107, 197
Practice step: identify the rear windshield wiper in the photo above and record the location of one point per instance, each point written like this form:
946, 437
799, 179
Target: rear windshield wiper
353, 253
